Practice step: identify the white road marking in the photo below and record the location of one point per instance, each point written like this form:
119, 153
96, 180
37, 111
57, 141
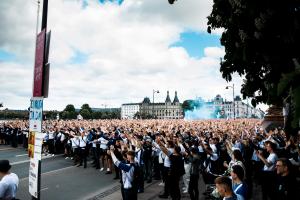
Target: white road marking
25, 161
22, 155
44, 189
10, 148
50, 172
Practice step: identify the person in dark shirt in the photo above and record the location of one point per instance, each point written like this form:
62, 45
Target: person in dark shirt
194, 174
175, 172
286, 185
118, 154
147, 157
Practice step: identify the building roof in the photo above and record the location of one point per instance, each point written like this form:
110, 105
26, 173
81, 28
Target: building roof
146, 100
168, 100
131, 104
176, 100
237, 98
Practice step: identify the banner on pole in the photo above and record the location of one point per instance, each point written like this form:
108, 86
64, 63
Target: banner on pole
35, 142
33, 177
39, 65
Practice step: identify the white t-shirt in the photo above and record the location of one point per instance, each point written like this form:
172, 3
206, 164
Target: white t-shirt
272, 160
8, 186
167, 161
51, 135
103, 143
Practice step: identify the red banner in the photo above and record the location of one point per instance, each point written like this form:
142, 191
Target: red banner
39, 65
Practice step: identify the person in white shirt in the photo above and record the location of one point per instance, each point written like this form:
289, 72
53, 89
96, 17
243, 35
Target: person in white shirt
167, 164
268, 173
75, 149
82, 149
51, 141
103, 151
129, 184
9, 181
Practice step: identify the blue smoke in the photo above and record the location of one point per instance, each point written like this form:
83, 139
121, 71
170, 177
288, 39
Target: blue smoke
202, 110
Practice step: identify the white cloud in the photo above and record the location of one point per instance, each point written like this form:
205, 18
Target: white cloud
127, 47
214, 52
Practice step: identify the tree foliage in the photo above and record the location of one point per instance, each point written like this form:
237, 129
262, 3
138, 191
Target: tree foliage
70, 108
85, 113
262, 41
86, 107
261, 38
188, 105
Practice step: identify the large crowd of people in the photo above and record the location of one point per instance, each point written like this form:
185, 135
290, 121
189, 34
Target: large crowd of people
229, 155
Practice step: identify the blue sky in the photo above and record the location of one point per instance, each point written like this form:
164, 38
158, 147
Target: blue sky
195, 42
79, 57
6, 56
126, 48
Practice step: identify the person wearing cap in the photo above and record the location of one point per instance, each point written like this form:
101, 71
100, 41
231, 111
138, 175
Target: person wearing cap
9, 181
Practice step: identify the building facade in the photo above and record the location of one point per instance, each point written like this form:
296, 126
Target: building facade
167, 110
236, 109
128, 110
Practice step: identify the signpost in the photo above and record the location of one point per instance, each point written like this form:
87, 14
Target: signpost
39, 92
35, 141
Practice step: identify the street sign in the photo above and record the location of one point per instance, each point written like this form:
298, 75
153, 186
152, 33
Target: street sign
35, 137
35, 141
33, 177
36, 114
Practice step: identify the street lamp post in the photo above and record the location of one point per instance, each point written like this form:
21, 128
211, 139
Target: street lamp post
227, 87
154, 91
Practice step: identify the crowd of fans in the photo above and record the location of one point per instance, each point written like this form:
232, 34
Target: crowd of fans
229, 155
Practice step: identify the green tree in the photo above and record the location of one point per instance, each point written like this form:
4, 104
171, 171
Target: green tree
70, 108
85, 113
69, 112
261, 40
97, 115
187, 105
137, 115
87, 107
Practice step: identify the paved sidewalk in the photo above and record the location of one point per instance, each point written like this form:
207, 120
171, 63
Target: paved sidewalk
152, 191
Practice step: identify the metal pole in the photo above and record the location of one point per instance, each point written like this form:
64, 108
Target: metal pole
44, 26
247, 108
45, 13
37, 18
233, 101
153, 105
36, 34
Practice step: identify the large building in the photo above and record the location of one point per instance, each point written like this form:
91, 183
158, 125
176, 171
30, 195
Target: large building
166, 110
236, 109
129, 110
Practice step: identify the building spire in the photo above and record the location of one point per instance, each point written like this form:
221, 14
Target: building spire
168, 100
176, 100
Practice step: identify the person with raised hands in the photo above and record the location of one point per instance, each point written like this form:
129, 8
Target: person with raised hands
175, 170
129, 174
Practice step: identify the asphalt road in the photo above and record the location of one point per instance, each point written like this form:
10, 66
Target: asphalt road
60, 179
